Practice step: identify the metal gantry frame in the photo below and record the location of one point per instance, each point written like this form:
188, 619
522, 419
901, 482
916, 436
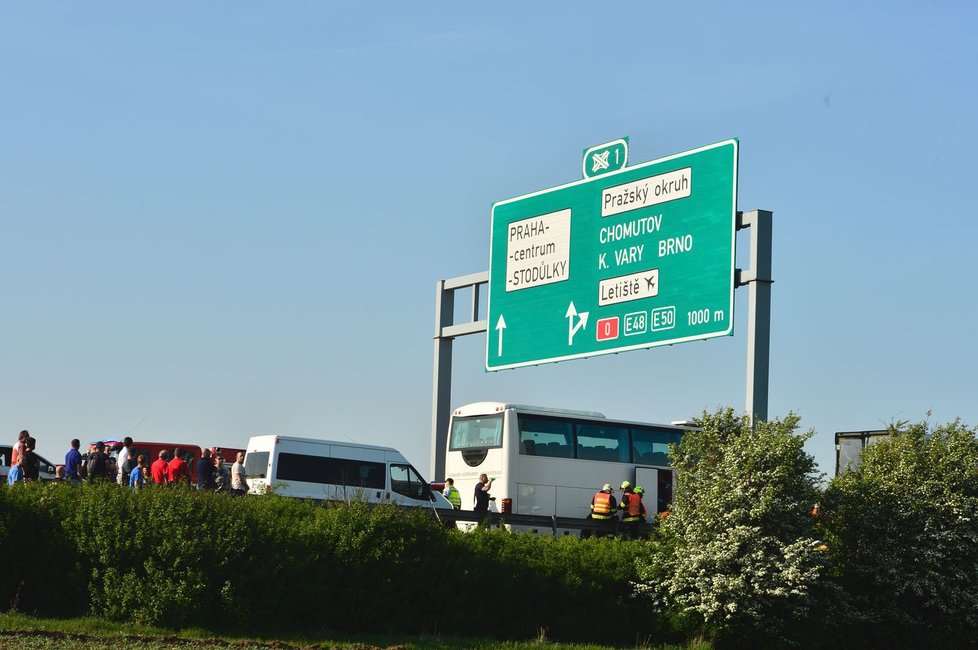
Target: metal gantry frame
757, 278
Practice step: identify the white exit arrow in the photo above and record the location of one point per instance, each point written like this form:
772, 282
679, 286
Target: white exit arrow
500, 327
571, 327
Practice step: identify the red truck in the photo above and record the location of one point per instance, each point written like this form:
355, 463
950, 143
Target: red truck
223, 457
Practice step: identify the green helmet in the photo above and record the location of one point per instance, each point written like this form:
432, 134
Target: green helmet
639, 489
625, 485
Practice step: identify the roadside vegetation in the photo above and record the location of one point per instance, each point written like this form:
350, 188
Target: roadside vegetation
889, 559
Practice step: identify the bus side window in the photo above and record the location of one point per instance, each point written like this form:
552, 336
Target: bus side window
557, 435
651, 446
529, 448
602, 442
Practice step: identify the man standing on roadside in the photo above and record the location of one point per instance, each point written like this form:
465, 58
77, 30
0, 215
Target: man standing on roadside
452, 494
481, 497
73, 461
124, 466
205, 471
18, 449
179, 472
160, 469
136, 479
98, 467
31, 464
604, 508
239, 480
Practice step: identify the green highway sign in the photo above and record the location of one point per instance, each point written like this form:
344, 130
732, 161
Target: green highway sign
629, 259
605, 158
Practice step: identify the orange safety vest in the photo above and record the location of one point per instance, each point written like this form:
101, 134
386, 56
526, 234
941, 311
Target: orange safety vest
635, 509
601, 506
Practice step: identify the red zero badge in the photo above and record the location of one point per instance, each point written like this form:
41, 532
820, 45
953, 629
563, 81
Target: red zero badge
608, 328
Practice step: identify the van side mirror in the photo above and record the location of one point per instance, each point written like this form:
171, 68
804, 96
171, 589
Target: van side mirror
426, 492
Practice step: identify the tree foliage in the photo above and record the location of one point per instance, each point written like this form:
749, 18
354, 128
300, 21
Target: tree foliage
741, 555
904, 531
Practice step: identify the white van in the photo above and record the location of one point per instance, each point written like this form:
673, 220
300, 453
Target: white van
335, 471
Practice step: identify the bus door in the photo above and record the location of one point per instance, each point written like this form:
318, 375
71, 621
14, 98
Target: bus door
658, 488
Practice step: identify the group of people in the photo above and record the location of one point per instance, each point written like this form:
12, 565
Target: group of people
129, 471
480, 499
605, 509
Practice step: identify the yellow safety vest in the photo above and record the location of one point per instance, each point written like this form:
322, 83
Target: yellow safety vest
454, 497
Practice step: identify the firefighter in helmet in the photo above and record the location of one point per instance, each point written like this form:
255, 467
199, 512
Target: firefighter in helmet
626, 493
633, 512
604, 508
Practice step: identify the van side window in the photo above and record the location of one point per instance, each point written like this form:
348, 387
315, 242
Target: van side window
300, 467
406, 480
356, 473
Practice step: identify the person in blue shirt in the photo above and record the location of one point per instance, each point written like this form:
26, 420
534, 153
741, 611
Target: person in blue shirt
16, 474
73, 461
136, 476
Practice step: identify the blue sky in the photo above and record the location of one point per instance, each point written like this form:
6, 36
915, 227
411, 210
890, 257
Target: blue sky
225, 219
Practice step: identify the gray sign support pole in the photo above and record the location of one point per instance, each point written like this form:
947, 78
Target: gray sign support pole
757, 278
758, 281
445, 332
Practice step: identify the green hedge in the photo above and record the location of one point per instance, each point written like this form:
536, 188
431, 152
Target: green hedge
180, 558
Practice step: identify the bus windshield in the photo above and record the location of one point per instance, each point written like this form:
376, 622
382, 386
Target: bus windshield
482, 432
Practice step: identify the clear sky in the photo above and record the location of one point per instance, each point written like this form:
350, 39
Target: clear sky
224, 219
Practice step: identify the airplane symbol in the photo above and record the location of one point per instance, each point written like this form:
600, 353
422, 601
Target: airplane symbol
650, 281
600, 160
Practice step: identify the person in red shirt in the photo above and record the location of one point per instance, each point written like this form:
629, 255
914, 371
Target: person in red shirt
179, 470
160, 470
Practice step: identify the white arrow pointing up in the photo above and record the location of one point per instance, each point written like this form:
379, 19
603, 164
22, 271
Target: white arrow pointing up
500, 327
571, 327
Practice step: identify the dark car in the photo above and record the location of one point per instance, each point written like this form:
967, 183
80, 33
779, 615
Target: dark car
47, 468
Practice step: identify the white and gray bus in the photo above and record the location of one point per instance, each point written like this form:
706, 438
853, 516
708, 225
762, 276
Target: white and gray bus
551, 462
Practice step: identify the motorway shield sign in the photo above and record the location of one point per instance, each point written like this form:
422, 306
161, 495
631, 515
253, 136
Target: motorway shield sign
605, 158
631, 259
